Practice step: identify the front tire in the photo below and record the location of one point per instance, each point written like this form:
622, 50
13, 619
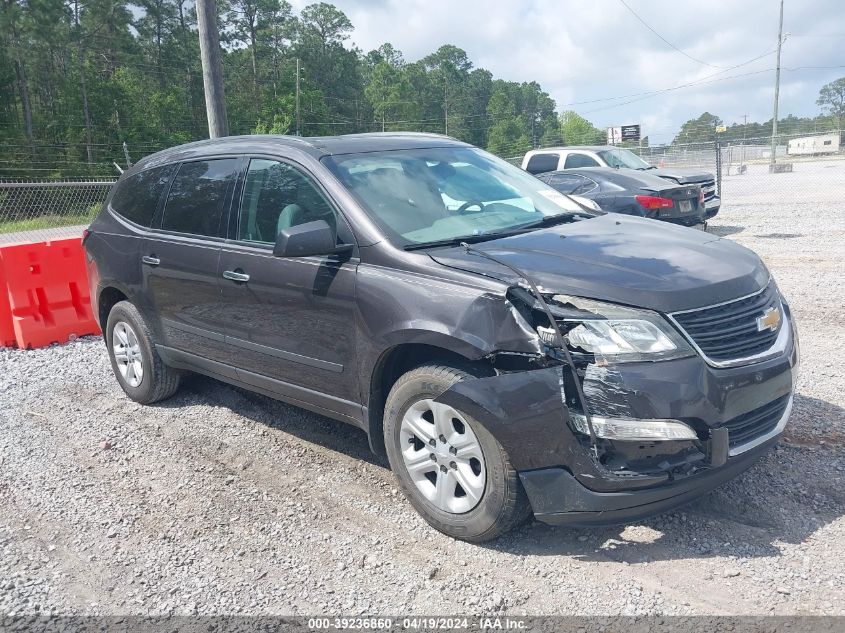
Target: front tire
139, 370
451, 469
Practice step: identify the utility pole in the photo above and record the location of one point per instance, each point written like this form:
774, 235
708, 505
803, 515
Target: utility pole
777, 90
742, 151
126, 154
212, 74
446, 104
298, 128
533, 133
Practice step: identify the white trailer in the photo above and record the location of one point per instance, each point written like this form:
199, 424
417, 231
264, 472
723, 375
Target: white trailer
807, 145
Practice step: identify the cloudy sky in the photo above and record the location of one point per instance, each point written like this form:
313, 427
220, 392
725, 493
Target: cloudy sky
596, 57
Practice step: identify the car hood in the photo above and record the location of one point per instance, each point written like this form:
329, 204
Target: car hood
681, 175
622, 259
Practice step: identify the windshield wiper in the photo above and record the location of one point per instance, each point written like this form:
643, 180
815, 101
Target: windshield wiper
454, 241
550, 220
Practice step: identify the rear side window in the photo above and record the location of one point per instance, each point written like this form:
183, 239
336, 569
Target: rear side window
571, 183
540, 163
136, 198
580, 160
196, 197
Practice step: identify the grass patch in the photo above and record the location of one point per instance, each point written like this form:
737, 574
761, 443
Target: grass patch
44, 222
49, 221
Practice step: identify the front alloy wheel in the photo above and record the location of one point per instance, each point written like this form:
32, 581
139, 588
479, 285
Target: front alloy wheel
443, 456
448, 464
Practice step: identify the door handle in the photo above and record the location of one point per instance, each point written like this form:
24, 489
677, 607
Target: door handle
234, 275
152, 260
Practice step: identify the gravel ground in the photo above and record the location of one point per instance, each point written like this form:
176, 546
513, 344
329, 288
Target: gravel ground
221, 501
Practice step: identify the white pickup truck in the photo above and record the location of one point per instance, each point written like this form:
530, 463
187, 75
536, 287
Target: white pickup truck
539, 161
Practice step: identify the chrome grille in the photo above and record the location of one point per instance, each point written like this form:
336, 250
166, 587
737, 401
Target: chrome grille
729, 331
756, 423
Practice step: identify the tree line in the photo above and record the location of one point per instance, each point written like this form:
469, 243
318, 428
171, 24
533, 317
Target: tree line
703, 128
78, 78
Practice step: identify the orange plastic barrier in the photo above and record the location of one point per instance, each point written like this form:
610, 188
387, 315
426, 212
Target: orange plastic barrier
45, 287
7, 332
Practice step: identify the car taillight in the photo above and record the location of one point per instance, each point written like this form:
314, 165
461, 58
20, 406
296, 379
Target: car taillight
655, 202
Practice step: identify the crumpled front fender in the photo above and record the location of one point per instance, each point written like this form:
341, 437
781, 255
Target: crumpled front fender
525, 411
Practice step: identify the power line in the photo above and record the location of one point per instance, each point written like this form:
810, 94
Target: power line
649, 92
706, 81
342, 121
691, 84
791, 68
682, 52
836, 35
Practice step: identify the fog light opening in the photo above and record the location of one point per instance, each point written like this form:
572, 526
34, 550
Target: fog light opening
635, 429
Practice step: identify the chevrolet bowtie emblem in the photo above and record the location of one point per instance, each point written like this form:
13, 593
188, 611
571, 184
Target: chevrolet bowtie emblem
770, 320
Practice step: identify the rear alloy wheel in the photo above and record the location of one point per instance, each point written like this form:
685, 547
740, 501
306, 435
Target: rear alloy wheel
137, 365
127, 353
451, 468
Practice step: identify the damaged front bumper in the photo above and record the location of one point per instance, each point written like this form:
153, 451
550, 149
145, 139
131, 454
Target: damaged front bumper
558, 498
532, 415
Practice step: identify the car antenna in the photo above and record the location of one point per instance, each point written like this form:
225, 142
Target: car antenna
559, 340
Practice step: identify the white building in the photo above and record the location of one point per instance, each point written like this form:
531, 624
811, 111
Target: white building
821, 144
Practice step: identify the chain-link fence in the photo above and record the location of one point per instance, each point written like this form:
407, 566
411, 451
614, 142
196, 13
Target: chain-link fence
814, 166
808, 167
44, 209
748, 177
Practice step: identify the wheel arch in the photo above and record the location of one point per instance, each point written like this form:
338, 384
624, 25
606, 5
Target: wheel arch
107, 297
401, 358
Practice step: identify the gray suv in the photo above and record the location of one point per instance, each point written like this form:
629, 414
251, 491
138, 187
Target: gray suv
509, 350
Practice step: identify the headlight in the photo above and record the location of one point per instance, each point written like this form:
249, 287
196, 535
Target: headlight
634, 430
615, 333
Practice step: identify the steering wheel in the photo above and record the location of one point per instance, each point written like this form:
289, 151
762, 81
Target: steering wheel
471, 203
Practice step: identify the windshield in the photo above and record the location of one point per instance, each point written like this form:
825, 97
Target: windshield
623, 158
419, 196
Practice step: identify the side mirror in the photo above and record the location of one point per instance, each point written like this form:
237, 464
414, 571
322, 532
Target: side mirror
311, 238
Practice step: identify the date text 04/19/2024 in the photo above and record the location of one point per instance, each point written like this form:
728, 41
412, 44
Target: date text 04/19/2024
422, 623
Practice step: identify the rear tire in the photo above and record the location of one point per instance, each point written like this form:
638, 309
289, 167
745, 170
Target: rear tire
469, 490
137, 366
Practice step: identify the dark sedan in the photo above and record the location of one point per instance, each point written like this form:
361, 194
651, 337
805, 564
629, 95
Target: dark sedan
632, 192
538, 161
